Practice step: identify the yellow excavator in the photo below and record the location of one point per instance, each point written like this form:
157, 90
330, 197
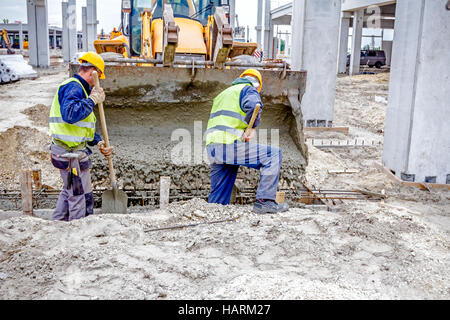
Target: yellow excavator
9, 49
170, 60
174, 28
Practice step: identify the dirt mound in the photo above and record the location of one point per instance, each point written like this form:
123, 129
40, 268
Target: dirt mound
39, 114
23, 148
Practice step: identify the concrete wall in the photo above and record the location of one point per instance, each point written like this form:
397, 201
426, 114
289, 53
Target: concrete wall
315, 38
417, 134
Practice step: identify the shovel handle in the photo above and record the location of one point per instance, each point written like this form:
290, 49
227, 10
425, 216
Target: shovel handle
253, 119
112, 172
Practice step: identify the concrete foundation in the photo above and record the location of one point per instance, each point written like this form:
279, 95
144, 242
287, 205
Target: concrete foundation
417, 135
38, 36
315, 34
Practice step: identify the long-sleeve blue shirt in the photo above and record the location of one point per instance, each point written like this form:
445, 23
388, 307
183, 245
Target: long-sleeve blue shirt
248, 100
75, 106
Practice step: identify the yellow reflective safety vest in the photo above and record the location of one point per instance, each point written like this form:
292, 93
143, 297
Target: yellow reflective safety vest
227, 120
72, 135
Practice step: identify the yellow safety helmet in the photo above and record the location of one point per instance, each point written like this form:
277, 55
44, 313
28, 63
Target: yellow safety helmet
95, 60
255, 73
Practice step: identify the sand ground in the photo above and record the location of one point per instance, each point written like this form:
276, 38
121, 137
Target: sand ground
396, 249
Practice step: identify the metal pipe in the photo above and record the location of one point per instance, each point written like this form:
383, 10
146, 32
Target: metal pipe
199, 63
190, 225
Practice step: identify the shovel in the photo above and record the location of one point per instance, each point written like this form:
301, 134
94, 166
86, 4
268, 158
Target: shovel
253, 119
115, 200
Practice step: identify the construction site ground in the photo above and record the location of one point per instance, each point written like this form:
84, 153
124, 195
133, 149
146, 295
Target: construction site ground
392, 249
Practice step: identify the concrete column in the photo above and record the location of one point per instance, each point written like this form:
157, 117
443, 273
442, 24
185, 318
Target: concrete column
54, 39
259, 26
288, 45
268, 30
315, 37
358, 21
69, 32
38, 36
65, 32
85, 28
21, 37
343, 43
298, 31
387, 47
417, 132
233, 13
91, 11
272, 42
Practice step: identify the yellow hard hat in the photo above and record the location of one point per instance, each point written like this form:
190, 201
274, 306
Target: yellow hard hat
254, 73
95, 60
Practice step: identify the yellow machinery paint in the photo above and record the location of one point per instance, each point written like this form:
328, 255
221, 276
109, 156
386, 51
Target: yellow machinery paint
190, 37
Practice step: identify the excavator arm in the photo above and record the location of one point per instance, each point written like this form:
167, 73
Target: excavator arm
170, 36
222, 38
8, 44
146, 34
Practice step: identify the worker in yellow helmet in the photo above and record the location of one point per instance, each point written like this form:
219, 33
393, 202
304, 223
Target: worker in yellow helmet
72, 127
228, 146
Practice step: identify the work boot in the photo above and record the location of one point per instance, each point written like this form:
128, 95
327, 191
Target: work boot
262, 206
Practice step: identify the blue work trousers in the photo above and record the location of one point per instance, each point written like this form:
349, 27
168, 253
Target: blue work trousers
76, 200
225, 160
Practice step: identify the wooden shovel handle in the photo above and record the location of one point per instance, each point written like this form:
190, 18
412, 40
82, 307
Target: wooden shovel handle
112, 173
252, 121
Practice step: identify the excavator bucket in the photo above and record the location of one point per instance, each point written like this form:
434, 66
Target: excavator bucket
159, 99
157, 118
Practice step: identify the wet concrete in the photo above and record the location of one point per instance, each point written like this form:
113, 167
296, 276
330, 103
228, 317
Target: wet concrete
142, 137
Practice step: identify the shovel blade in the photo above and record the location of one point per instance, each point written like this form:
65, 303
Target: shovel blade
114, 201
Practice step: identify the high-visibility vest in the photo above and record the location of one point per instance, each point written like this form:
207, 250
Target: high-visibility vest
227, 120
72, 135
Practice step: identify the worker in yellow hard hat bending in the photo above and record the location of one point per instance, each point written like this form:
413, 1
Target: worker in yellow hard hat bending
228, 146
